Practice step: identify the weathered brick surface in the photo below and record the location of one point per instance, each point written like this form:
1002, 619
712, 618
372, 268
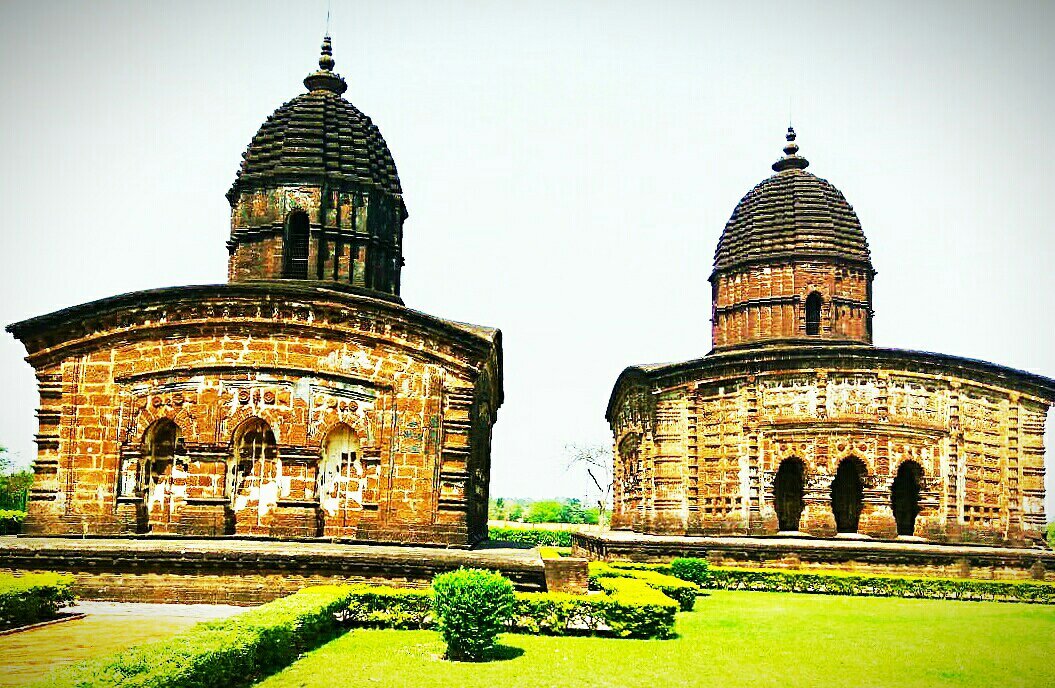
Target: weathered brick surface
866, 557
414, 395
190, 571
568, 575
768, 302
698, 445
795, 422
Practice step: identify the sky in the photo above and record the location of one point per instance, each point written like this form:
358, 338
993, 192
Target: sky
568, 168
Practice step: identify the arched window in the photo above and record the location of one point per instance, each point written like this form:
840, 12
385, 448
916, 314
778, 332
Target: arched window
162, 443
340, 470
255, 452
295, 246
788, 492
904, 496
813, 314
848, 494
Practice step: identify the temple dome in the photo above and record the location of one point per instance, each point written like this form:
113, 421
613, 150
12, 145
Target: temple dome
789, 216
319, 137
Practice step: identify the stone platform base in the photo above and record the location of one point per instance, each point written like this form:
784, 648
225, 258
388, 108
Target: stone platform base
905, 558
245, 572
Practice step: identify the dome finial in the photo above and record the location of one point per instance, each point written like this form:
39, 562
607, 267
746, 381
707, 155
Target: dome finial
326, 79
326, 58
791, 159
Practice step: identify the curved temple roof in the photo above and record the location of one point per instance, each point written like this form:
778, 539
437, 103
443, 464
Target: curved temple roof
318, 136
792, 214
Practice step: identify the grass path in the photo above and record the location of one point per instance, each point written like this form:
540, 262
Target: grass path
733, 639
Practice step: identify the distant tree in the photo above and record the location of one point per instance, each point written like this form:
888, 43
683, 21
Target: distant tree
516, 512
596, 459
547, 511
1051, 535
13, 483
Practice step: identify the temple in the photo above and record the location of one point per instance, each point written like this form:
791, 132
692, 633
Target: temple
302, 398
795, 423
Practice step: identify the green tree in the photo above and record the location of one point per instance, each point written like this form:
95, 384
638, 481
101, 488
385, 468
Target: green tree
14, 484
547, 511
1051, 535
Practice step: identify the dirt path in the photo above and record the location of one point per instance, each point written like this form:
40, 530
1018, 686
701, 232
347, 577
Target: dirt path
107, 627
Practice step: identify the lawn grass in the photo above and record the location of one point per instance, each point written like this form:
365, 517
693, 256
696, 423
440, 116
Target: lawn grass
733, 639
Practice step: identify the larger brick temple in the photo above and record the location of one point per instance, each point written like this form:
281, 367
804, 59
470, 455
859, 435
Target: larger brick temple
796, 423
299, 399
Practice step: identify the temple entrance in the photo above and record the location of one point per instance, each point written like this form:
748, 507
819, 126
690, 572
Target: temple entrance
161, 444
788, 489
904, 496
848, 495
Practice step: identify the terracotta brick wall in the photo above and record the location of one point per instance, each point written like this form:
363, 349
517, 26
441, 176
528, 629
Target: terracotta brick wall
765, 302
302, 370
703, 458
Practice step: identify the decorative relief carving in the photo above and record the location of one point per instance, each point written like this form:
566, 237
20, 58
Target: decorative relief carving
853, 395
788, 397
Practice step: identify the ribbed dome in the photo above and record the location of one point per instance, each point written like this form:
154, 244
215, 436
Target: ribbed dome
318, 136
792, 214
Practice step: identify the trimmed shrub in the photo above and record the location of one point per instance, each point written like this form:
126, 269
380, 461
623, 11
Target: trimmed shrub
693, 570
472, 607
11, 521
385, 607
681, 591
532, 536
637, 610
218, 654
33, 597
554, 613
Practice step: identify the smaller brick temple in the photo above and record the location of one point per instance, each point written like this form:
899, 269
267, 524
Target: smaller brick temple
300, 399
795, 422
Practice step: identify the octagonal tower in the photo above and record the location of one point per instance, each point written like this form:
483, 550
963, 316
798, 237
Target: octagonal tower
792, 264
317, 196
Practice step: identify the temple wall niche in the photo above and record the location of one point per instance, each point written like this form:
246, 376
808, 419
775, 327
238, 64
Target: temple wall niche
972, 453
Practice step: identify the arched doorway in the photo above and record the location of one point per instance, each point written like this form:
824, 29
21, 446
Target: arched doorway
904, 496
788, 491
254, 482
341, 474
813, 314
295, 246
848, 494
162, 442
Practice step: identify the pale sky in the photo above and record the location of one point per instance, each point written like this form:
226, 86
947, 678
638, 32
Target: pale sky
568, 168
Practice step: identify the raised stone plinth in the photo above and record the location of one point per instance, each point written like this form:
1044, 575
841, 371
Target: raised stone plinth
907, 558
243, 571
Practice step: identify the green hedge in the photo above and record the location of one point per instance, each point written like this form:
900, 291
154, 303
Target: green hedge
540, 613
385, 607
33, 597
637, 610
532, 536
232, 652
242, 649
847, 583
11, 521
832, 583
681, 591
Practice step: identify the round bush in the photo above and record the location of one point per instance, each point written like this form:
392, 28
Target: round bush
472, 607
